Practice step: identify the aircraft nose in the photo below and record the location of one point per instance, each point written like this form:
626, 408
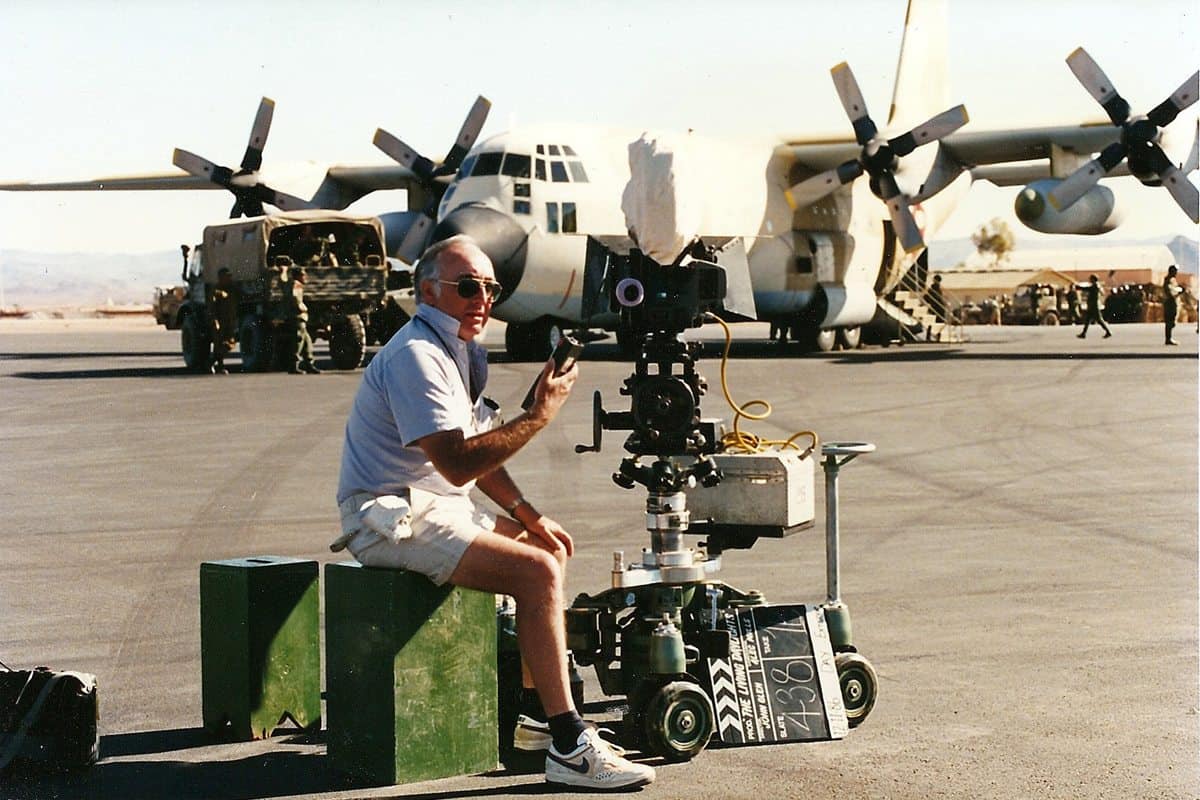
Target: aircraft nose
497, 234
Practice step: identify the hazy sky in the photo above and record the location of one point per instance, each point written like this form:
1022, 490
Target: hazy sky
91, 89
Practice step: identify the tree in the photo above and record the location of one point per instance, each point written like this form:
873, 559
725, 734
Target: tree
994, 241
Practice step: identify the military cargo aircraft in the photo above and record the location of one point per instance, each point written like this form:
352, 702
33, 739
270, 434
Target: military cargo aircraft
824, 248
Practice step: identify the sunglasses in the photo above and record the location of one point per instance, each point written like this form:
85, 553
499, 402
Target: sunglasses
468, 287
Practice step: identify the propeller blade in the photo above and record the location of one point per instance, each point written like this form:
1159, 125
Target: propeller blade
414, 239
252, 160
1079, 182
905, 224
852, 100
1098, 85
810, 190
284, 201
1193, 159
245, 206
1183, 97
943, 124
194, 164
467, 135
403, 154
1183, 190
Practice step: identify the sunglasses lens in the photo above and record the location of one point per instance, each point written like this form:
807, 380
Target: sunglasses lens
469, 287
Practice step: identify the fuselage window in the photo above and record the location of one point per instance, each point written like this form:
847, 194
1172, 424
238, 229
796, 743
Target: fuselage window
539, 168
488, 164
578, 175
520, 206
554, 150
551, 217
515, 165
558, 172
465, 169
568, 218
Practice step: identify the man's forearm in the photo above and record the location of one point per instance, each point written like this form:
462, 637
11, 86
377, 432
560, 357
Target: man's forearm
469, 459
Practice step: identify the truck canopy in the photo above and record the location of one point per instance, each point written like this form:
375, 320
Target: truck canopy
248, 247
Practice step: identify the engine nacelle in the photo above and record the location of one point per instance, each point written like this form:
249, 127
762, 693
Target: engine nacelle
1095, 212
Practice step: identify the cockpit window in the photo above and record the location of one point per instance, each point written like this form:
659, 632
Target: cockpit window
567, 150
465, 169
539, 167
488, 164
515, 165
554, 150
578, 175
541, 149
558, 171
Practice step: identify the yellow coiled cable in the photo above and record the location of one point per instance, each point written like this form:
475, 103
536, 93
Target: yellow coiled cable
741, 441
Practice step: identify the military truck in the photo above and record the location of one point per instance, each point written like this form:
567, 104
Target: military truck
1038, 304
347, 281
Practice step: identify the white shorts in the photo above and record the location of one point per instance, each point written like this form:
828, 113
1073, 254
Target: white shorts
443, 527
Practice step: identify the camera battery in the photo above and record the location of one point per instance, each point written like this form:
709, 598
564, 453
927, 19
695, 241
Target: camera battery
772, 489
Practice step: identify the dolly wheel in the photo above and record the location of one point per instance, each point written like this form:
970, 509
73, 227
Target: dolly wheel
859, 686
678, 721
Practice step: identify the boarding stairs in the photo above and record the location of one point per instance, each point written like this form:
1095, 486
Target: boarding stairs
910, 298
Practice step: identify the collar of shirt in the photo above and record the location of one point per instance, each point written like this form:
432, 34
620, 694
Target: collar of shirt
469, 357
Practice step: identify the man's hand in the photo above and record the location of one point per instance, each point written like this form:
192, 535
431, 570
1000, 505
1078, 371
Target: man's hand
550, 534
552, 391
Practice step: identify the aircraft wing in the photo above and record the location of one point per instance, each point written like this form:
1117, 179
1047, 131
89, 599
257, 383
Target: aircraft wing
1007, 157
163, 180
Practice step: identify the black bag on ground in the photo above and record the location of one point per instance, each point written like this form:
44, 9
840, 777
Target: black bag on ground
48, 717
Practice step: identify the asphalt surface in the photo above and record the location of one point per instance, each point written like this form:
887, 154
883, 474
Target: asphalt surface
1019, 555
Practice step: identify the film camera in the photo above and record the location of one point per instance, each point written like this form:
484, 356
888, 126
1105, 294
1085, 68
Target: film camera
685, 648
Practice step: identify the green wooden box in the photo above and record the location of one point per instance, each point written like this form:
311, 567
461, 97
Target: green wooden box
260, 652
410, 675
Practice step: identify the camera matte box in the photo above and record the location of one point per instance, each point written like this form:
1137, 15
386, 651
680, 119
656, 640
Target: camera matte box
759, 489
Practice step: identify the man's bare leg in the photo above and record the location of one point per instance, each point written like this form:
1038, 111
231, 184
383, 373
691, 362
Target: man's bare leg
534, 576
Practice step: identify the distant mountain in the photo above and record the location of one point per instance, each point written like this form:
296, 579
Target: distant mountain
33, 280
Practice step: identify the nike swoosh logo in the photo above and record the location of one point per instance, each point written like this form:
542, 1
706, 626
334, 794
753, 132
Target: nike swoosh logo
582, 769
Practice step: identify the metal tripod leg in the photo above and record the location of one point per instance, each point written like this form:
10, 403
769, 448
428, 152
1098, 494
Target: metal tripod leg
837, 616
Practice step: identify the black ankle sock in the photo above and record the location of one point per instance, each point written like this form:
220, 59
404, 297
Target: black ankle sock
565, 729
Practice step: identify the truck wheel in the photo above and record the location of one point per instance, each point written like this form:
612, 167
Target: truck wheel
347, 342
1050, 318
256, 343
197, 349
678, 721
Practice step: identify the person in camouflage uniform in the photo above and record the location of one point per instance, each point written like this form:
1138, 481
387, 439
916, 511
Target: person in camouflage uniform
297, 322
223, 320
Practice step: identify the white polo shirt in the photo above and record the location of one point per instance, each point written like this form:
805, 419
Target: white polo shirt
416, 385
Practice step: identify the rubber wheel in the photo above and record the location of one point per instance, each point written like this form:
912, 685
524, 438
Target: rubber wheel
859, 686
825, 339
1050, 318
256, 343
849, 338
347, 342
677, 721
197, 349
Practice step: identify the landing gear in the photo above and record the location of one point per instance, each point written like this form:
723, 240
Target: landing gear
848, 338
347, 342
824, 340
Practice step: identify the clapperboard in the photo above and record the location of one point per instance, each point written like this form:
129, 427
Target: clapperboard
780, 683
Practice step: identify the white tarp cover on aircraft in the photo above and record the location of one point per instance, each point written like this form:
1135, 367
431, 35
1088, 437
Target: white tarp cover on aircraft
660, 212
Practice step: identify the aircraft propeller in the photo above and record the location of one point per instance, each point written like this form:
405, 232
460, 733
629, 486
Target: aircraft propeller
879, 158
434, 178
249, 191
1139, 140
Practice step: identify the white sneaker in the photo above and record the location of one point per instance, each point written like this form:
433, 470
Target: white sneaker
531, 734
593, 764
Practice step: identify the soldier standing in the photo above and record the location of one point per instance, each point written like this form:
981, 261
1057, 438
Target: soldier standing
297, 320
1092, 294
223, 320
1170, 302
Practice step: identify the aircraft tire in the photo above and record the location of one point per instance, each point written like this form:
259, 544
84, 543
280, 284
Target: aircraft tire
194, 341
848, 338
825, 339
256, 344
347, 342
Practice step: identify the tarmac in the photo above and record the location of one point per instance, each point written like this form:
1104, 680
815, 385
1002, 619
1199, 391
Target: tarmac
1019, 554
